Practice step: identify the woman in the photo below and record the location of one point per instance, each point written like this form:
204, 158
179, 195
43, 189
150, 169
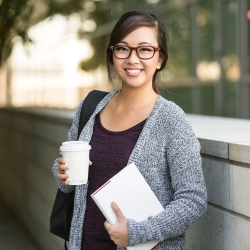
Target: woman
137, 125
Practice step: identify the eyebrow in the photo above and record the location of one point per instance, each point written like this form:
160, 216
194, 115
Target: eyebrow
141, 43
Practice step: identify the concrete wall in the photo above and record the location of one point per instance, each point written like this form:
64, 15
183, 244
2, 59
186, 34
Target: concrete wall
29, 142
225, 148
28, 146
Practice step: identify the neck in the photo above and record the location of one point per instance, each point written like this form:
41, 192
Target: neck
136, 96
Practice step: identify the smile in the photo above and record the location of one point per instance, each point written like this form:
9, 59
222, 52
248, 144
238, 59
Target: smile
133, 71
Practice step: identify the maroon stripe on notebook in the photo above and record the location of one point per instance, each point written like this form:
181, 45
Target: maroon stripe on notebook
155, 246
100, 188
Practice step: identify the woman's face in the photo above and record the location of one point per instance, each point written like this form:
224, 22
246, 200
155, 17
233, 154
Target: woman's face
133, 71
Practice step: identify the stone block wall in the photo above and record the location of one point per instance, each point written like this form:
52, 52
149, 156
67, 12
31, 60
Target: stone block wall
225, 148
28, 146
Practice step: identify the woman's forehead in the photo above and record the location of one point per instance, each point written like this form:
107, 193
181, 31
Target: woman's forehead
142, 35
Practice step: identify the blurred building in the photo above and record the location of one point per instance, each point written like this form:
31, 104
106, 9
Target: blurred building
207, 72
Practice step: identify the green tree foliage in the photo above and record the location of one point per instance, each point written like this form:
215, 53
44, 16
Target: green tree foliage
17, 16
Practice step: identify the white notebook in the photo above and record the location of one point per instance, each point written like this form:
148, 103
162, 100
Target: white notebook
133, 195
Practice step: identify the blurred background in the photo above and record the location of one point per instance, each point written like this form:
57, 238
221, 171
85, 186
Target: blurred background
52, 52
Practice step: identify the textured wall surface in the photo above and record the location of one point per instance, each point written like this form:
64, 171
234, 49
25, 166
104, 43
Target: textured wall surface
29, 142
225, 147
28, 146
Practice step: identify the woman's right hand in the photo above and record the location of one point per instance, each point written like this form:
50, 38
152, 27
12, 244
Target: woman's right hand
61, 171
62, 167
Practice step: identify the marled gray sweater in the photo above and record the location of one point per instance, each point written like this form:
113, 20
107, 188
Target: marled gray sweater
167, 154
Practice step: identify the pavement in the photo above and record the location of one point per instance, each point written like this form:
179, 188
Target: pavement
12, 235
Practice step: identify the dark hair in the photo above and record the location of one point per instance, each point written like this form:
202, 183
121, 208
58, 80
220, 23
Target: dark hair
131, 21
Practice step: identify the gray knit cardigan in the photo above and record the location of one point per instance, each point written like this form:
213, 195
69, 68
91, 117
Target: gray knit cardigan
167, 154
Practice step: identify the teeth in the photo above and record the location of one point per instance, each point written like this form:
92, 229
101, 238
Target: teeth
133, 71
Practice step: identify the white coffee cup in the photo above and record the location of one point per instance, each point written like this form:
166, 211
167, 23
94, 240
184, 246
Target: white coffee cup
76, 155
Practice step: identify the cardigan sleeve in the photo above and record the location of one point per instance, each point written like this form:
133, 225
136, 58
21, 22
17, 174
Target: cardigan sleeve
189, 201
72, 136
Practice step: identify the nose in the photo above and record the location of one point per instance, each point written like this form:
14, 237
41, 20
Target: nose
133, 58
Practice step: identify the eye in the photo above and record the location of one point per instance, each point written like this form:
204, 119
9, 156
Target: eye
145, 49
121, 48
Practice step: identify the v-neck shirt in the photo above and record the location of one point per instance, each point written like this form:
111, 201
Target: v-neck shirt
109, 154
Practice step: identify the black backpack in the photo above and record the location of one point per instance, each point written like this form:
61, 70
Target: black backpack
62, 212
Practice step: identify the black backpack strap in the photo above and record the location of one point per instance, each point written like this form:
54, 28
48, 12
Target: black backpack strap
89, 105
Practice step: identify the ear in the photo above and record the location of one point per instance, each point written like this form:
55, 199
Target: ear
159, 63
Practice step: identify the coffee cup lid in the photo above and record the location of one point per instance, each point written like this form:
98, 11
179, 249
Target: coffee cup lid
75, 146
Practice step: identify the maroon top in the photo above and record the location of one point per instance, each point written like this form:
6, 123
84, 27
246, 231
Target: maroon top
109, 154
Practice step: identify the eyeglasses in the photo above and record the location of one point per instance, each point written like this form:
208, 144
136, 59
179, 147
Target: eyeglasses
124, 52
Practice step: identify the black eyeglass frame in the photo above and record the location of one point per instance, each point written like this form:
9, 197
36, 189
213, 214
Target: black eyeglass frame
134, 48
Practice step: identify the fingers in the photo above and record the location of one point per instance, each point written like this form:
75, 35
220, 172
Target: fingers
62, 167
61, 171
117, 211
119, 231
61, 160
63, 178
65, 182
107, 225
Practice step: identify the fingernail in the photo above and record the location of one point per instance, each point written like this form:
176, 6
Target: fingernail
114, 204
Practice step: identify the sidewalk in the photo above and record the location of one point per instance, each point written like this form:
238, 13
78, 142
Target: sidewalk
12, 236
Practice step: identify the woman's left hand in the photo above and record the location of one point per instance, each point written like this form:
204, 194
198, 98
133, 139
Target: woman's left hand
119, 231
